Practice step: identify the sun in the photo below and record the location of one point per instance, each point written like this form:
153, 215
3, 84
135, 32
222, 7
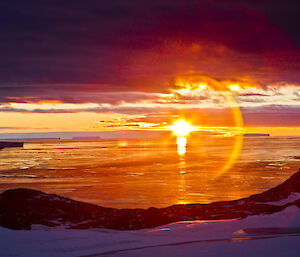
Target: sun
181, 128
234, 88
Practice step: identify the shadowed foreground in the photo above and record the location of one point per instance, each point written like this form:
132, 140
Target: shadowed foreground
21, 208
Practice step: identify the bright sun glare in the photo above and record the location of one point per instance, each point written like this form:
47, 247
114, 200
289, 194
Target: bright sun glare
181, 128
234, 88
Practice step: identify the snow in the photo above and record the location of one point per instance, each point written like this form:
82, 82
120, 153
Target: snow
290, 199
262, 235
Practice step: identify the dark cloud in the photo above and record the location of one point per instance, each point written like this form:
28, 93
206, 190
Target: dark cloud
56, 50
14, 128
251, 94
284, 14
72, 94
271, 116
274, 115
118, 110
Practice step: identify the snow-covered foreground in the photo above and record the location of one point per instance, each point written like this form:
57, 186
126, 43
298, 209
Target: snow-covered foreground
262, 235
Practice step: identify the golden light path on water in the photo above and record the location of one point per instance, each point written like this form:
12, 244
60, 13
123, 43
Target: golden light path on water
181, 130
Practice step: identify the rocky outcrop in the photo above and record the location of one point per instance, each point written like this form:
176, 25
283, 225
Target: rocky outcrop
21, 208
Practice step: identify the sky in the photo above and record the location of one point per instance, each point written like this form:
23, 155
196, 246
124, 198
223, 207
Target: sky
108, 65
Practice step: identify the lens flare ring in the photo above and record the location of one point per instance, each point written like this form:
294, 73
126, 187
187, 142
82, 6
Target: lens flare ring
239, 138
182, 128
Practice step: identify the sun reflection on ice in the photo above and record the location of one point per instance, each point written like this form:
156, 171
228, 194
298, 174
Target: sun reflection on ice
181, 150
181, 145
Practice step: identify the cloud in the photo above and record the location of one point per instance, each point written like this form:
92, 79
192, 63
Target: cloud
7, 127
73, 95
70, 50
13, 128
274, 115
117, 110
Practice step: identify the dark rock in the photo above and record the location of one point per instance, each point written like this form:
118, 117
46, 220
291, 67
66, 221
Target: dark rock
6, 144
